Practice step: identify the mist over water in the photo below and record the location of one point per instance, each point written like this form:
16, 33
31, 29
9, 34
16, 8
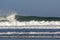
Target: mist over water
6, 12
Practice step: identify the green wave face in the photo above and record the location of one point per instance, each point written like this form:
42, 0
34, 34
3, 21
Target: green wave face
35, 18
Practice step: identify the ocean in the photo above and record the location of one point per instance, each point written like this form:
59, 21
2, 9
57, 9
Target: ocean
52, 30
29, 32
28, 39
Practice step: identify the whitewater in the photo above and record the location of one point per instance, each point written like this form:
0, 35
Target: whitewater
10, 27
13, 23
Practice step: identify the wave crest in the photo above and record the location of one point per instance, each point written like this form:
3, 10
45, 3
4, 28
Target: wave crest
15, 20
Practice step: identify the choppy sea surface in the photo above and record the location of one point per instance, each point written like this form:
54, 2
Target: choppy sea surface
28, 39
30, 30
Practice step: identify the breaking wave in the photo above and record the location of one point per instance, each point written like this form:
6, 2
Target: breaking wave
18, 20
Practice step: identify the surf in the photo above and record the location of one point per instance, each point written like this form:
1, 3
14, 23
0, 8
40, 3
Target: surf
19, 22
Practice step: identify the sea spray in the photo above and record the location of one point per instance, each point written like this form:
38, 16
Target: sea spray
12, 20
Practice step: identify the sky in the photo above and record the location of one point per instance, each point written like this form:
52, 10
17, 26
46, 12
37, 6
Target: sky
32, 7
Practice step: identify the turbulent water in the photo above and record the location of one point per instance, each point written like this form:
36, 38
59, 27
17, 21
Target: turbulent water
27, 39
13, 20
17, 26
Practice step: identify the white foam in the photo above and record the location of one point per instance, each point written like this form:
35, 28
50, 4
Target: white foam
13, 22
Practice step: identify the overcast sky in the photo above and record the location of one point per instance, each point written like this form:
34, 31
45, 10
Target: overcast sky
32, 7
